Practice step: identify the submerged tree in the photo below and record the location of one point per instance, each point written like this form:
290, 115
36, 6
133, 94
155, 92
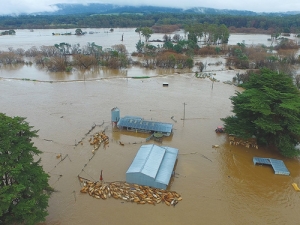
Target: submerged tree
64, 48
146, 33
78, 31
269, 109
212, 33
24, 189
139, 30
139, 46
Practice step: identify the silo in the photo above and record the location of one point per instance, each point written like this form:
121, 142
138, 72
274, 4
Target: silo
115, 115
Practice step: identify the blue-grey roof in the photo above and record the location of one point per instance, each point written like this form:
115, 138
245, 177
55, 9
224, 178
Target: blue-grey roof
141, 124
278, 165
154, 162
165, 172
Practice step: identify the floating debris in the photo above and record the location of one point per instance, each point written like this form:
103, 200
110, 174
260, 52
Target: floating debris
296, 187
58, 156
129, 192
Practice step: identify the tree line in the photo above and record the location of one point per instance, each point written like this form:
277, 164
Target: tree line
288, 24
176, 52
267, 110
24, 188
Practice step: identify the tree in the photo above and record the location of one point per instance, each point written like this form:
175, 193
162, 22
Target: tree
166, 38
297, 81
78, 31
269, 109
223, 33
85, 61
190, 63
138, 30
146, 33
120, 48
176, 37
56, 64
139, 46
8, 32
24, 189
168, 45
192, 37
178, 48
201, 66
63, 47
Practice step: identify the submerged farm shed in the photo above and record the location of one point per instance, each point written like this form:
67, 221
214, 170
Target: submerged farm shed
278, 165
152, 166
138, 124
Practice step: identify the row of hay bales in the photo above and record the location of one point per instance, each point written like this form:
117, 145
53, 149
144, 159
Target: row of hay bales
129, 192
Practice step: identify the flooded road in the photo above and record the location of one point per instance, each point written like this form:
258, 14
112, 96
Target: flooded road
218, 185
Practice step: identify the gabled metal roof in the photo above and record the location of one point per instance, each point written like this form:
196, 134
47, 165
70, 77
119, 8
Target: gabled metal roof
278, 165
154, 164
141, 124
165, 171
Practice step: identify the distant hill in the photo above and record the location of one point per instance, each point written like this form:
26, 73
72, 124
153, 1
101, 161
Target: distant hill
99, 8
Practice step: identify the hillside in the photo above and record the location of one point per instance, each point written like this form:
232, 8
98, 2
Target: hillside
98, 8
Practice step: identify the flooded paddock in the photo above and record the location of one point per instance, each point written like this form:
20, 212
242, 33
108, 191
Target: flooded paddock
218, 185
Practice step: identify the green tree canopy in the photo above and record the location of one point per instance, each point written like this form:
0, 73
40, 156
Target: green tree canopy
23, 184
78, 31
138, 30
146, 33
269, 109
139, 46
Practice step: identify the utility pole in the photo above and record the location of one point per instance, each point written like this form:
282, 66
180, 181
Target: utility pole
212, 83
184, 104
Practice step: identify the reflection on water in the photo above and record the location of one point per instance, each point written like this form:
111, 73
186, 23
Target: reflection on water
218, 185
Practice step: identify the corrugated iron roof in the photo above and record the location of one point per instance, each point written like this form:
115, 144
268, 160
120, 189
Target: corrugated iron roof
165, 171
155, 162
139, 160
278, 165
141, 124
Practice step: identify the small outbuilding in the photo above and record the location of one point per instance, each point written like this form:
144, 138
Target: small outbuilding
152, 166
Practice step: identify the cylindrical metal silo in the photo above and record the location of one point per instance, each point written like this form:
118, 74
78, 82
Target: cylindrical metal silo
115, 114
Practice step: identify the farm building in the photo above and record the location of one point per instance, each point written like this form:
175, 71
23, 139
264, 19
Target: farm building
278, 165
138, 124
152, 166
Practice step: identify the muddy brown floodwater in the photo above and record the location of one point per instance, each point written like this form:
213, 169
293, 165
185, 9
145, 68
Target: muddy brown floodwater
218, 185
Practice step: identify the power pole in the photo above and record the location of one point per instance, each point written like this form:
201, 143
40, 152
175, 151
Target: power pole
184, 104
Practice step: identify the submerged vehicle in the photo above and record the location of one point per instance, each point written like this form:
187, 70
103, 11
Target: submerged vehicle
219, 129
